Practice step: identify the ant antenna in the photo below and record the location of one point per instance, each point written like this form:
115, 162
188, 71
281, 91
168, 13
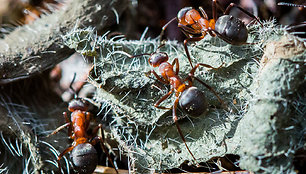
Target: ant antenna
70, 86
144, 54
148, 54
291, 4
160, 46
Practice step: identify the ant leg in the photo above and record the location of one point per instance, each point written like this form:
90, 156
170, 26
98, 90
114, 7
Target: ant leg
188, 30
191, 75
229, 7
210, 31
66, 117
59, 128
68, 121
214, 10
177, 67
158, 78
144, 54
87, 117
162, 99
213, 91
205, 65
162, 45
226, 39
100, 139
70, 86
61, 155
218, 5
186, 48
164, 28
186, 34
189, 80
95, 130
175, 119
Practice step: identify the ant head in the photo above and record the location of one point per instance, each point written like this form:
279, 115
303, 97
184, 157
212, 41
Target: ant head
78, 104
181, 15
84, 158
193, 102
157, 58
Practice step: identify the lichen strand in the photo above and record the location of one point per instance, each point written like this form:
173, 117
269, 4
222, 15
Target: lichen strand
35, 47
17, 140
125, 78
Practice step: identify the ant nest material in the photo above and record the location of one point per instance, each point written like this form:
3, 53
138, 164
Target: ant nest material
263, 88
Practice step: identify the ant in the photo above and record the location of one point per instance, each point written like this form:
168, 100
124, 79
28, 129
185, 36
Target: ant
231, 29
84, 156
188, 97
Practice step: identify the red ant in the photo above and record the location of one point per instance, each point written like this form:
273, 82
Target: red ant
231, 29
188, 97
84, 156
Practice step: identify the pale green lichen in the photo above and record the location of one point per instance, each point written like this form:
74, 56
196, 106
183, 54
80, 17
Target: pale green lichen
264, 126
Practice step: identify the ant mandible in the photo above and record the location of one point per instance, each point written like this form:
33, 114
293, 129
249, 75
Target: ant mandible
231, 29
84, 156
188, 97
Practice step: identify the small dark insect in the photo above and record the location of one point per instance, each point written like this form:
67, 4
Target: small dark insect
83, 154
195, 26
188, 97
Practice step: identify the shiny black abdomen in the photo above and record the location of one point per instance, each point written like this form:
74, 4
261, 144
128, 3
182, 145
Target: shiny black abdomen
233, 29
84, 158
193, 102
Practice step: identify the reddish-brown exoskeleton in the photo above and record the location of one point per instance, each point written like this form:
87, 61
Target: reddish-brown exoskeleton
84, 156
188, 97
195, 25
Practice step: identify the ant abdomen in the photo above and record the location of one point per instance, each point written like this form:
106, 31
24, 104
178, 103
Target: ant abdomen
193, 101
233, 29
84, 158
